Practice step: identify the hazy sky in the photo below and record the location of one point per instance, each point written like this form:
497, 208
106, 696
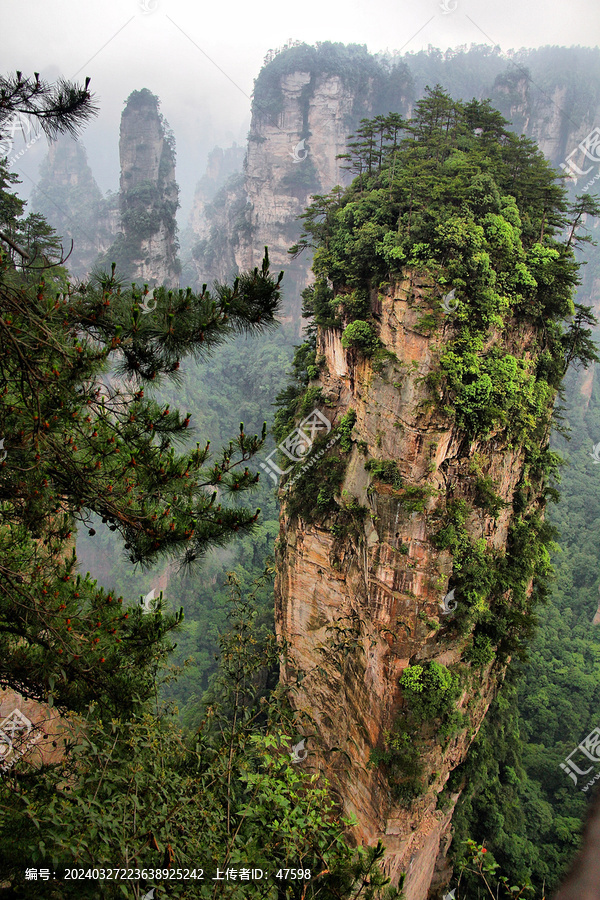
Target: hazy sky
201, 58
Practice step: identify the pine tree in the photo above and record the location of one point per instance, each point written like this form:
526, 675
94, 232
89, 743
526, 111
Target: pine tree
79, 436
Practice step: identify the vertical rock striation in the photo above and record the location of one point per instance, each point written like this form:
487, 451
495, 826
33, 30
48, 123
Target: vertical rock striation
289, 157
221, 166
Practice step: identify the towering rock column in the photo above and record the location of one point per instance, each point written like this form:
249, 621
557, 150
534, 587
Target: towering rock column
146, 250
359, 589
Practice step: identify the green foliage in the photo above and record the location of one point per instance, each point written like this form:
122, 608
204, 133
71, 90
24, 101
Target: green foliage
355, 305
360, 335
141, 793
236, 383
485, 496
349, 520
481, 652
344, 430
504, 281
145, 208
60, 108
321, 476
311, 398
482, 864
130, 788
330, 478
496, 392
385, 470
322, 481
414, 497
112, 453
518, 800
492, 587
401, 759
431, 691
437, 194
454, 197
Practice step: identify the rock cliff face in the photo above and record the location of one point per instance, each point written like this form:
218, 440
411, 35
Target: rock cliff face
380, 589
359, 605
221, 165
29, 730
69, 198
287, 161
148, 194
547, 119
291, 155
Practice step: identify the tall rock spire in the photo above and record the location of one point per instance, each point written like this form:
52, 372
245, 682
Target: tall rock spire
146, 248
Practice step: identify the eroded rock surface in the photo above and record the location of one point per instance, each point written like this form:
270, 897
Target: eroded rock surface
357, 610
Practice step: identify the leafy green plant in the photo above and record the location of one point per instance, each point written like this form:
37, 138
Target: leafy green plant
414, 497
344, 429
385, 470
401, 759
482, 864
481, 652
360, 335
486, 497
430, 690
